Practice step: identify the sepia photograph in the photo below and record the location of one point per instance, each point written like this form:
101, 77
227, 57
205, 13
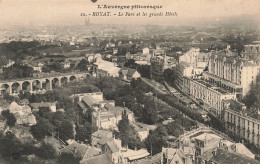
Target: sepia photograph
129, 82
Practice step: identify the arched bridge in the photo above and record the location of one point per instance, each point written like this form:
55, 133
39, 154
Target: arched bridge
39, 83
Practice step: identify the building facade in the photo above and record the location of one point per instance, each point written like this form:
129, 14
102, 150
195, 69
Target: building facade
240, 123
232, 73
210, 95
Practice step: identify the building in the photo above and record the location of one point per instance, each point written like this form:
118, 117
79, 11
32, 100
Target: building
10, 63
191, 65
50, 105
183, 70
222, 156
159, 62
195, 58
242, 122
142, 129
210, 95
105, 114
23, 114
197, 147
93, 100
174, 156
128, 74
92, 57
251, 52
100, 137
102, 68
146, 50
109, 116
81, 151
37, 67
231, 72
66, 64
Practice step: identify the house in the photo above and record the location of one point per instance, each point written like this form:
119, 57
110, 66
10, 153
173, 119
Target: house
101, 135
9, 64
66, 65
221, 156
102, 68
23, 114
109, 116
174, 156
101, 159
81, 151
142, 129
146, 50
113, 152
91, 57
50, 105
128, 74
93, 100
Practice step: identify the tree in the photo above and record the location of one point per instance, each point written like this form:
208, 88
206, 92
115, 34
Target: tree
124, 127
46, 151
67, 158
10, 118
28, 148
45, 112
57, 119
150, 113
127, 133
83, 65
10, 146
83, 132
66, 130
41, 129
156, 140
130, 63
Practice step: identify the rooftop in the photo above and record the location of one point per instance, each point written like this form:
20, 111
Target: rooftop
241, 108
207, 136
81, 150
101, 159
214, 87
226, 157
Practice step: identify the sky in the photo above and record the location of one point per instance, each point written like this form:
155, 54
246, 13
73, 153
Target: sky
67, 12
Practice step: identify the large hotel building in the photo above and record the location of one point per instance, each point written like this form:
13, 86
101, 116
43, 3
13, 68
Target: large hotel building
228, 77
227, 80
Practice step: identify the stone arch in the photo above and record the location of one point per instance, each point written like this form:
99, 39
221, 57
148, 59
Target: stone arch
26, 86
5, 89
64, 80
73, 78
16, 87
36, 84
46, 84
55, 82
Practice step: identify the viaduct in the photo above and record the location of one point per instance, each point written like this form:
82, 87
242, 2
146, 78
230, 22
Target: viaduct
39, 83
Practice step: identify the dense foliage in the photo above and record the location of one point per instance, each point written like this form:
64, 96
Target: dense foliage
17, 71
156, 140
127, 134
9, 117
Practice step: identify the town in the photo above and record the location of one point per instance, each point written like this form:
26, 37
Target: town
139, 94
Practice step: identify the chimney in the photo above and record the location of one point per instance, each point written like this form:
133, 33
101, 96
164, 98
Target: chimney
135, 148
243, 142
126, 147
